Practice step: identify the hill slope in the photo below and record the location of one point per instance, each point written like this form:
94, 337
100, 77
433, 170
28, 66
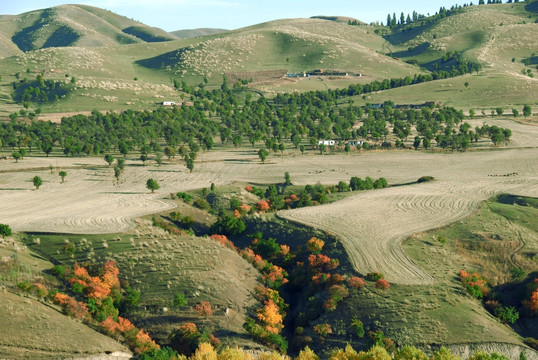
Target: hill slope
69, 25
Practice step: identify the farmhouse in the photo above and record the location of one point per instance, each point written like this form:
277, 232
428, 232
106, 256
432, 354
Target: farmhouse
327, 142
169, 103
355, 142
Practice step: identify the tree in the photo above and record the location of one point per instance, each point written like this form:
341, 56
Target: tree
472, 113
143, 158
515, 112
5, 230
169, 152
527, 111
37, 182
158, 158
189, 163
499, 111
117, 172
62, 174
262, 153
416, 143
22, 152
302, 148
17, 156
123, 148
152, 185
109, 159
426, 143
120, 164
287, 178
321, 148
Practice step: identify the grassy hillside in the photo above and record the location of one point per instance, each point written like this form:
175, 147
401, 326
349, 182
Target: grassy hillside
191, 33
160, 266
118, 64
297, 45
69, 25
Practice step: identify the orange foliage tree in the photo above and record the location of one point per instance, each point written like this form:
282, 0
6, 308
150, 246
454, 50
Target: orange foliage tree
270, 316
204, 308
382, 284
315, 245
356, 283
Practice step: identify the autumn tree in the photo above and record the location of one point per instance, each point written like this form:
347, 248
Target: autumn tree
270, 316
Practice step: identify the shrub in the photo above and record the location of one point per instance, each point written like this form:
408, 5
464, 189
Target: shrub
180, 300
380, 183
382, 284
358, 327
315, 245
374, 276
425, 179
203, 308
5, 230
184, 196
58, 271
262, 206
507, 315
356, 283
475, 284
323, 329
202, 204
228, 225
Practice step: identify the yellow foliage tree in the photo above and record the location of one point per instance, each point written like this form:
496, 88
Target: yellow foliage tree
270, 317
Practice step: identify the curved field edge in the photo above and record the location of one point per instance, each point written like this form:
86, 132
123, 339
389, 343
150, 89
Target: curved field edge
373, 225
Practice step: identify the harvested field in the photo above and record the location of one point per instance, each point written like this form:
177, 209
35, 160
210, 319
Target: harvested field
371, 225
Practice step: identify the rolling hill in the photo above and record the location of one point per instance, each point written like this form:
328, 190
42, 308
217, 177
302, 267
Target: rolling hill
121, 63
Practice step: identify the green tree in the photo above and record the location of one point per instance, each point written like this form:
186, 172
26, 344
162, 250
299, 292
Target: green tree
120, 164
152, 185
143, 158
515, 112
322, 148
189, 162
499, 111
262, 153
37, 182
17, 156
416, 143
169, 152
22, 152
287, 178
109, 159
472, 113
302, 148
527, 111
62, 174
158, 158
426, 143
123, 147
117, 172
5, 230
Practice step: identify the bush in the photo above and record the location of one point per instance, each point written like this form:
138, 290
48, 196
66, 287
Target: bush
184, 196
382, 284
202, 204
228, 225
5, 230
425, 179
358, 327
374, 276
180, 300
507, 315
58, 271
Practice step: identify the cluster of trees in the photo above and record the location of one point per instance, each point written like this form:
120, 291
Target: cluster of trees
378, 350
41, 90
404, 22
